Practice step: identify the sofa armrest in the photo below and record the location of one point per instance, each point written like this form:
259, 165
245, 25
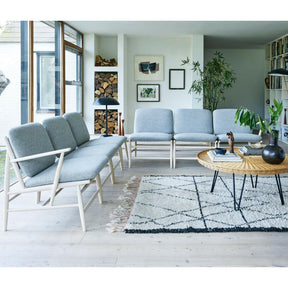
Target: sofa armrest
30, 157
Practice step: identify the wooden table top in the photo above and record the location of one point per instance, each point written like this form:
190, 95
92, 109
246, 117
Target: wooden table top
251, 165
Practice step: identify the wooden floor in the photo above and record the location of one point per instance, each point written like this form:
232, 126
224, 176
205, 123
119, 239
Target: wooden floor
55, 239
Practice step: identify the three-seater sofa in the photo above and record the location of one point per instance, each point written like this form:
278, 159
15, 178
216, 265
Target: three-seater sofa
58, 154
185, 127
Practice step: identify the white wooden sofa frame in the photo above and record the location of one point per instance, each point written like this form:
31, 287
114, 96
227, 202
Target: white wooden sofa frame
55, 188
150, 146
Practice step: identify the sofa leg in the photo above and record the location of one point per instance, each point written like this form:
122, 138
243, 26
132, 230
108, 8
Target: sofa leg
130, 153
174, 155
121, 158
171, 153
112, 171
99, 186
6, 207
126, 149
81, 208
38, 198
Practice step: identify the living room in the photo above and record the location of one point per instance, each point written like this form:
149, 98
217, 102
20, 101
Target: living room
55, 239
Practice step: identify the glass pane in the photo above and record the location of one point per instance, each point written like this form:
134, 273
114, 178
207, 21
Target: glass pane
72, 36
73, 99
10, 84
46, 71
73, 80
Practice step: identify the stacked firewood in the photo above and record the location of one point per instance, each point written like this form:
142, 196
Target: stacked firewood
103, 62
106, 85
100, 122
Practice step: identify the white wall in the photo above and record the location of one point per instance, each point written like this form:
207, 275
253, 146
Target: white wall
249, 65
174, 50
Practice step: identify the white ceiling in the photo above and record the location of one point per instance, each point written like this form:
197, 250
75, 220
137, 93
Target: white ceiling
218, 34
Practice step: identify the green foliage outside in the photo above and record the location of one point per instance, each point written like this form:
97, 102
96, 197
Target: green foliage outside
2, 169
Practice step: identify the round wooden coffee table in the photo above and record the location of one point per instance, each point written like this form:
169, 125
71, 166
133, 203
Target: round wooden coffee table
251, 165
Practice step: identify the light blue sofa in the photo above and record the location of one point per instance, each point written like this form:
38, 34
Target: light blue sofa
192, 126
223, 122
187, 127
56, 155
152, 125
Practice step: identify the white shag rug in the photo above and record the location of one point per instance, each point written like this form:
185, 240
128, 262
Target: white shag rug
179, 204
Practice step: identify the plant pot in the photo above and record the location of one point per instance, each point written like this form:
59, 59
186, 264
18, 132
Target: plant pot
272, 153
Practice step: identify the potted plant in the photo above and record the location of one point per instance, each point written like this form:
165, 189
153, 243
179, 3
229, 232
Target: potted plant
272, 153
215, 78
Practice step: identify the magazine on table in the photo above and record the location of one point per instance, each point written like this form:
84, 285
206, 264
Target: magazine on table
248, 150
222, 158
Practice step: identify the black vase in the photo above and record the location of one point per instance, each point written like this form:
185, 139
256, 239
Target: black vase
272, 153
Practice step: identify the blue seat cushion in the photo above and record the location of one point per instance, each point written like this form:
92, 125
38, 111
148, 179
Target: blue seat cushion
93, 151
195, 137
158, 120
76, 169
240, 137
31, 139
224, 121
78, 127
145, 136
115, 140
193, 121
60, 133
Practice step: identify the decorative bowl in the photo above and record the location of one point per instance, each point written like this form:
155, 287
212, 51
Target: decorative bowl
220, 151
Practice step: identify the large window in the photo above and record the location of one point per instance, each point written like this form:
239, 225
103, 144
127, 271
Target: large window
41, 74
73, 58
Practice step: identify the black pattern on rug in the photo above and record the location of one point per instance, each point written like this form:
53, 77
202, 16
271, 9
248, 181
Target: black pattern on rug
180, 204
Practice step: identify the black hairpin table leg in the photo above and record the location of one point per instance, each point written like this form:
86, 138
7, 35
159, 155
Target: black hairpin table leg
252, 182
214, 180
278, 181
237, 205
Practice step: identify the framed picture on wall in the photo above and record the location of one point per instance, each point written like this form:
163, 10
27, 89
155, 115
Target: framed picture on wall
176, 79
149, 68
148, 93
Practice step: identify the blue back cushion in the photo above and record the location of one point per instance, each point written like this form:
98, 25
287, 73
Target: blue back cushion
78, 127
192, 121
31, 139
223, 122
60, 133
153, 120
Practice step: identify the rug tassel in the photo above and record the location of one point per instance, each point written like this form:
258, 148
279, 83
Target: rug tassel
120, 215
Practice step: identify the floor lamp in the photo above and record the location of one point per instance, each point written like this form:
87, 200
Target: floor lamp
106, 101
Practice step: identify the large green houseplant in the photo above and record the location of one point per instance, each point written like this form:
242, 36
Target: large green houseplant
215, 78
252, 119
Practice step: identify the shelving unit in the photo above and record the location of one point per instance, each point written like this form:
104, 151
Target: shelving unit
277, 57
108, 47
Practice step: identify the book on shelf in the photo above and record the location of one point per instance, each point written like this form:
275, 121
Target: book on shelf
223, 158
248, 150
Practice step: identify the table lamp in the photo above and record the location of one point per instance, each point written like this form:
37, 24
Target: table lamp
106, 101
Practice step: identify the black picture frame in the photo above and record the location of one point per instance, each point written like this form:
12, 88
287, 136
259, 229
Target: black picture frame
176, 79
148, 92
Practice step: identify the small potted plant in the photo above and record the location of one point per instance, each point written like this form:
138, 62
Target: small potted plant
272, 153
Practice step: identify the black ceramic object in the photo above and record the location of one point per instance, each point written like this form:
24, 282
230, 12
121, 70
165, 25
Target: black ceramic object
272, 153
220, 151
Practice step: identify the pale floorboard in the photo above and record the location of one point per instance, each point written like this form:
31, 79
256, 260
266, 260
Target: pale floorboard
54, 238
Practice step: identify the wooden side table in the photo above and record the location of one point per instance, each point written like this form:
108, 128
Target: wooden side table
251, 165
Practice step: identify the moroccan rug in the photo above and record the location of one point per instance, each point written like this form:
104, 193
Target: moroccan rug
179, 204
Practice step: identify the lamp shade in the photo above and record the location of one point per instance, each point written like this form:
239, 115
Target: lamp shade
106, 101
278, 72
